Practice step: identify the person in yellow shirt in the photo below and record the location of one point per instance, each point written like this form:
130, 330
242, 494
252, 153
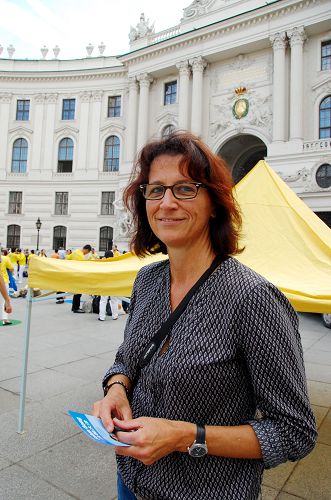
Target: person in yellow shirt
13, 257
116, 251
79, 254
22, 263
5, 306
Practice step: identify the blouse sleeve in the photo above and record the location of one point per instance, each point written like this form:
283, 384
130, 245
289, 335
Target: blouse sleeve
271, 345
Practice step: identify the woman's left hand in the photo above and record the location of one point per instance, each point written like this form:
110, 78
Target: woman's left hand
153, 438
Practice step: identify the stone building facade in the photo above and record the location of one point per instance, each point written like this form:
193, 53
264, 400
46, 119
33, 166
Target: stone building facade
252, 79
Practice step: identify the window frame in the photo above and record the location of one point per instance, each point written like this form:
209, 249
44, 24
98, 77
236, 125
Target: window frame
61, 207
116, 107
22, 161
107, 207
66, 160
327, 57
324, 111
15, 244
327, 177
65, 237
104, 248
165, 95
69, 110
15, 207
116, 159
25, 112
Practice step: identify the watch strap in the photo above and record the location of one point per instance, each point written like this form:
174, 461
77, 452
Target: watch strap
201, 434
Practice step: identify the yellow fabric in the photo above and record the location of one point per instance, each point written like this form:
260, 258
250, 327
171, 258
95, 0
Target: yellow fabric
4, 265
76, 255
21, 259
114, 276
285, 242
13, 257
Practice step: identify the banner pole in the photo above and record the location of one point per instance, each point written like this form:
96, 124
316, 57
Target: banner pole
24, 370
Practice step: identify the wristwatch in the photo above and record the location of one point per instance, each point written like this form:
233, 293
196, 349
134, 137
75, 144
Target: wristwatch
199, 448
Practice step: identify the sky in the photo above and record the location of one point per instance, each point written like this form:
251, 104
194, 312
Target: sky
72, 24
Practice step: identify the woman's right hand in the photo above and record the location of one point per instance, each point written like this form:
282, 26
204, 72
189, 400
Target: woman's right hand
115, 404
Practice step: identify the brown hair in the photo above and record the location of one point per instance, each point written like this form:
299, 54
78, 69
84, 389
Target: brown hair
201, 165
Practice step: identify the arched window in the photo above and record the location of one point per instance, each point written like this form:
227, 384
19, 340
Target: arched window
325, 118
59, 237
112, 154
106, 238
13, 236
66, 155
20, 156
323, 175
169, 129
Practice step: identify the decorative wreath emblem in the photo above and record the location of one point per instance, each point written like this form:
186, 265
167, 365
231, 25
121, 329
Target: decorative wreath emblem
240, 107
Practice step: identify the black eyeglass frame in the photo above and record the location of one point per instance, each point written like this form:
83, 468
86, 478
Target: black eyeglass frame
198, 185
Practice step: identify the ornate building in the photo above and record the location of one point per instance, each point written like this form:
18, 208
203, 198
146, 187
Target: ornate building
253, 79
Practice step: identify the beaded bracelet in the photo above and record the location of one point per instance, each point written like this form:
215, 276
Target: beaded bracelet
107, 387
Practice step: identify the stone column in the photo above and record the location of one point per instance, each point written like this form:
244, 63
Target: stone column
47, 153
297, 38
144, 81
131, 129
39, 131
94, 132
183, 101
198, 66
85, 98
5, 100
278, 41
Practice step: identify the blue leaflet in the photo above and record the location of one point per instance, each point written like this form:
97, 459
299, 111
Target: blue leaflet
94, 429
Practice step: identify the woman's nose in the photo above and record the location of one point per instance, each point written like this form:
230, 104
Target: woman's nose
168, 198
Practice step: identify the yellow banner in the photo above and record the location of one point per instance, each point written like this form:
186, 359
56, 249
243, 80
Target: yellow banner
284, 241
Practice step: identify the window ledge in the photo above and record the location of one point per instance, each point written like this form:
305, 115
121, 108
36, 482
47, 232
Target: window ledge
108, 174
106, 215
16, 174
60, 215
14, 215
63, 174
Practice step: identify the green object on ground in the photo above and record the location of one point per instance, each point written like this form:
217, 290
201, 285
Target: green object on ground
13, 322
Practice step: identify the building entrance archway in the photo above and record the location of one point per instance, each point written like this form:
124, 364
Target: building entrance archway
242, 153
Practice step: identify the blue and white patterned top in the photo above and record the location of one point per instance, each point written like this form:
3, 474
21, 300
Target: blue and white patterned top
234, 357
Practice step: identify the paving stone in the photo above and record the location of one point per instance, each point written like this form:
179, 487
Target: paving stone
269, 493
54, 356
80, 473
324, 433
313, 355
276, 477
319, 393
79, 399
324, 344
19, 484
318, 372
43, 428
4, 463
11, 368
287, 496
8, 401
311, 477
90, 368
320, 413
44, 383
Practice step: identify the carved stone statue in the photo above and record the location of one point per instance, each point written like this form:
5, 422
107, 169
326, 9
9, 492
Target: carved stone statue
141, 30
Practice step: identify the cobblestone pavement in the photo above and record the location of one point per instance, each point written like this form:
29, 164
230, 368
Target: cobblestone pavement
68, 355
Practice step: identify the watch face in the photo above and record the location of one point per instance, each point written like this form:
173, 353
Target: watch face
198, 450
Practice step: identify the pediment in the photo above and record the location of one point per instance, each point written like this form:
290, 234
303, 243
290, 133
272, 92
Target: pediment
21, 130
113, 128
67, 130
167, 117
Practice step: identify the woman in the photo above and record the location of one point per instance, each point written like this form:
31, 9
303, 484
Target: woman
225, 395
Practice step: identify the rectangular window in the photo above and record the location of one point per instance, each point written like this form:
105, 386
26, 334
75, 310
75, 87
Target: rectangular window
61, 203
114, 106
326, 55
15, 202
107, 203
68, 109
23, 109
170, 93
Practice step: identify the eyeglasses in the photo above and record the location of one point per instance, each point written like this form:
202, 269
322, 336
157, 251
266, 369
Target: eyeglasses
181, 190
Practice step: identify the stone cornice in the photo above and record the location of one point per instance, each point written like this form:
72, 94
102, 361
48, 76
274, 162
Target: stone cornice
75, 75
218, 29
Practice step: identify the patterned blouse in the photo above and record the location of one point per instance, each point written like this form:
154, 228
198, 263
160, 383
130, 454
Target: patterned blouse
234, 357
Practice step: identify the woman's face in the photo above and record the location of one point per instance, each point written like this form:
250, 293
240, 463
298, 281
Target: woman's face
178, 223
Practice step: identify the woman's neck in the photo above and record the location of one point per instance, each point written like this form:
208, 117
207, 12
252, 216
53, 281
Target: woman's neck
186, 266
